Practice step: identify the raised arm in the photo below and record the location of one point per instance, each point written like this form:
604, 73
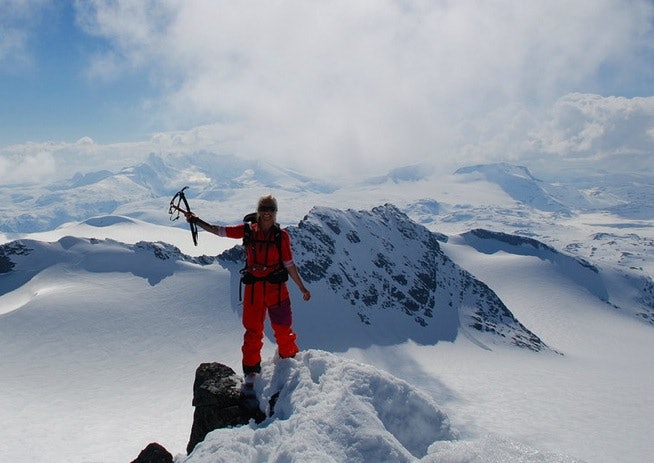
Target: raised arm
215, 229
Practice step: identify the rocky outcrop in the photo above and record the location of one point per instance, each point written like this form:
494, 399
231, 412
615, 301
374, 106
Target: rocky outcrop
380, 261
219, 403
154, 453
216, 398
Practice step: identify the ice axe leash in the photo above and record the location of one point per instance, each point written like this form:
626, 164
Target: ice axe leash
179, 205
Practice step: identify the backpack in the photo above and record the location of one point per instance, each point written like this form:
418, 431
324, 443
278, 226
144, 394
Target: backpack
277, 276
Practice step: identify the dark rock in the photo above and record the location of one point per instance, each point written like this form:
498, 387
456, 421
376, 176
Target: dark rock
6, 264
154, 453
250, 407
219, 402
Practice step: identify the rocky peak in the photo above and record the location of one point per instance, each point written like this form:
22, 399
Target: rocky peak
380, 261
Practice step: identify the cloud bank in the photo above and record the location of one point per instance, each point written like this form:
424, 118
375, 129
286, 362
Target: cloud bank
584, 131
349, 86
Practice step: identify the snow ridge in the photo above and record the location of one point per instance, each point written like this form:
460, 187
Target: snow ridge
518, 183
611, 286
335, 407
21, 260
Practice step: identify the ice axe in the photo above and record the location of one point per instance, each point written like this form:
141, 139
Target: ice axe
176, 208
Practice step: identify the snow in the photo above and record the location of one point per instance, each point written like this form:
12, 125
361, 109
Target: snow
100, 340
332, 408
130, 230
605, 376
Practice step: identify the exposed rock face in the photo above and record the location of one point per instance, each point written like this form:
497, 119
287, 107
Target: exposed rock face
154, 453
15, 248
216, 398
219, 403
381, 261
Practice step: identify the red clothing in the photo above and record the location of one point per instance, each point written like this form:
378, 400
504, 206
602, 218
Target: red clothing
261, 296
263, 254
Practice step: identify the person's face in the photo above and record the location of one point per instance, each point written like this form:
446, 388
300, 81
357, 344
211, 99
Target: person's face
267, 214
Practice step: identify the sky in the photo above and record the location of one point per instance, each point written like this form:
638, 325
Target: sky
316, 85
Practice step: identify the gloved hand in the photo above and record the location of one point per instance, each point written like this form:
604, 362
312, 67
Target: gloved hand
190, 217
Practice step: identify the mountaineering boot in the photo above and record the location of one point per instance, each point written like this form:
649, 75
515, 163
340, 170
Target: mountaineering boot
247, 369
249, 380
249, 402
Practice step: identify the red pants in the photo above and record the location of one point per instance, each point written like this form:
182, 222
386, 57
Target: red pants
258, 299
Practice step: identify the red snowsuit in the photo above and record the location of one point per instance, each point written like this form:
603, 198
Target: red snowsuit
261, 296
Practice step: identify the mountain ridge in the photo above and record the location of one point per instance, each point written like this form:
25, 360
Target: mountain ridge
418, 281
140, 190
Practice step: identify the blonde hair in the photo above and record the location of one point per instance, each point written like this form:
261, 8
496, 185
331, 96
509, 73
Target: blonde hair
268, 200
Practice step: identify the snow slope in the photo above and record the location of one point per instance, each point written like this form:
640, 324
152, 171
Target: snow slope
520, 185
594, 402
101, 345
332, 410
100, 340
101, 333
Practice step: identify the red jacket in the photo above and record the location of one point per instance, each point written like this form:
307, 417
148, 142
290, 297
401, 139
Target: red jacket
262, 252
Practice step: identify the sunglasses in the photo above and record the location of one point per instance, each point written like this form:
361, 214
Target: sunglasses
267, 209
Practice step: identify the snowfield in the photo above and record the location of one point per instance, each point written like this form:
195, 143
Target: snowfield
332, 409
103, 322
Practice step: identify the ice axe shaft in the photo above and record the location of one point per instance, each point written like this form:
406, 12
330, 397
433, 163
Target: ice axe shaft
175, 203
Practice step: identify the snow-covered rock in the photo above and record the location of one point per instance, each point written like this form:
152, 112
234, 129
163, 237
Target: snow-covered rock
331, 409
389, 274
519, 184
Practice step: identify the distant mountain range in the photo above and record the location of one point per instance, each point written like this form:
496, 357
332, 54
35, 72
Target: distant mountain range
627, 195
140, 191
378, 259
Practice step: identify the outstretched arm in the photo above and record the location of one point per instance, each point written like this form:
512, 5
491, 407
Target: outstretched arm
215, 229
295, 276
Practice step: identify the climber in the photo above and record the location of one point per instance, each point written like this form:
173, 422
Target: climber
269, 263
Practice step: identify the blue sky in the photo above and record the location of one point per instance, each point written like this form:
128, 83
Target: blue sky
46, 91
367, 82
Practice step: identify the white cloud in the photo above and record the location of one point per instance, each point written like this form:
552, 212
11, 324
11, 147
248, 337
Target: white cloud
135, 30
29, 168
366, 86
39, 162
580, 130
585, 125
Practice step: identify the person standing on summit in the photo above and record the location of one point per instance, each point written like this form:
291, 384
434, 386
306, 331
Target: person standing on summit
269, 262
